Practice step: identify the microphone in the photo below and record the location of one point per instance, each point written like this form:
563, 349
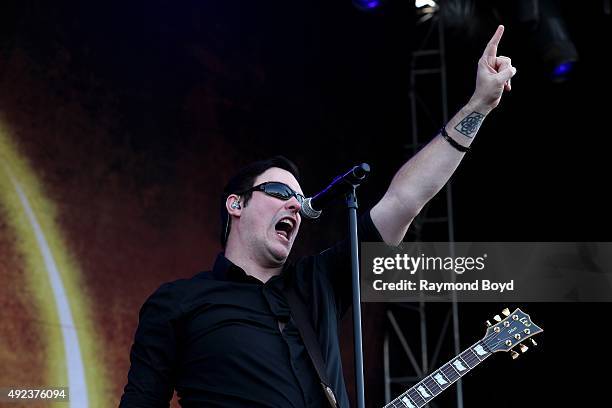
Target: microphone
313, 206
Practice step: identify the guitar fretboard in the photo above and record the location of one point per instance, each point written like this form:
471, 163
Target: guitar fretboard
432, 385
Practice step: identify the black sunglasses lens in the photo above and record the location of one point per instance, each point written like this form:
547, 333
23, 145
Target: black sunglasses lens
278, 190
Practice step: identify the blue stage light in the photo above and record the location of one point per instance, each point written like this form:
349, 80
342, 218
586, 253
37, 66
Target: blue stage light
553, 42
563, 69
367, 4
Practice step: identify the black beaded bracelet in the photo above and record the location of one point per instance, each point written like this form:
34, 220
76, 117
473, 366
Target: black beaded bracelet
453, 142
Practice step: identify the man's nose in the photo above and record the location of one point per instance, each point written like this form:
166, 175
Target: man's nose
293, 204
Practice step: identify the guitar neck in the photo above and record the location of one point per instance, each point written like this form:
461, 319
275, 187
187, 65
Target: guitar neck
436, 382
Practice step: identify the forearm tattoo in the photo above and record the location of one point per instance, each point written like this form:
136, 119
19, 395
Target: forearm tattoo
470, 124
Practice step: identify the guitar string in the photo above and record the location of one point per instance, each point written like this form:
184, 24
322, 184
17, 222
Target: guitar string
472, 358
470, 361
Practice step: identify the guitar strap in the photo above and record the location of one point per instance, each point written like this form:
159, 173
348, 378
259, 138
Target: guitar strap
300, 317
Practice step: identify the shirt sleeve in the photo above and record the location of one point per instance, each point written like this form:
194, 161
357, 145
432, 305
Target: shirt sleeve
336, 262
153, 354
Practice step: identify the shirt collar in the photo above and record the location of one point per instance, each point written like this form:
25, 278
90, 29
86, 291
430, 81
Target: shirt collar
226, 270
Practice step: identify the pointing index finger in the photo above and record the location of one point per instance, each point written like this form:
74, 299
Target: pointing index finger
491, 50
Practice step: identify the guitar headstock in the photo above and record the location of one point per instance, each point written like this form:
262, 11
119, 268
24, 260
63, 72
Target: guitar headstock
510, 332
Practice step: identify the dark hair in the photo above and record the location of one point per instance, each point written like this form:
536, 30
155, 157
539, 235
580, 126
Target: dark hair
243, 180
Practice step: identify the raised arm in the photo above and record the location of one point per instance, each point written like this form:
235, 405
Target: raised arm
419, 179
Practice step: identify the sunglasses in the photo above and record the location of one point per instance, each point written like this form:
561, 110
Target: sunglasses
278, 190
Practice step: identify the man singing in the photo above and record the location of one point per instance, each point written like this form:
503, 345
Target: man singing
226, 337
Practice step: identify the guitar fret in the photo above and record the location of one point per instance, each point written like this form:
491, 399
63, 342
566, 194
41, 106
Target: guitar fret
405, 400
450, 372
470, 358
392, 404
424, 392
459, 365
432, 385
442, 380
414, 395
480, 351
408, 403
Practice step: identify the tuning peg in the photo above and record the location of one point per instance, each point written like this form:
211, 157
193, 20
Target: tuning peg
524, 348
514, 354
488, 323
497, 318
533, 342
506, 312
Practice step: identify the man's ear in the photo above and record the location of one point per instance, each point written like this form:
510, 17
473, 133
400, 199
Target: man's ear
233, 205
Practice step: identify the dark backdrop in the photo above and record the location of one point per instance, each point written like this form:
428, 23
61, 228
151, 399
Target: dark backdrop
133, 115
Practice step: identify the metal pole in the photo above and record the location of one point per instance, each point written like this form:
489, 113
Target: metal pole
449, 206
351, 201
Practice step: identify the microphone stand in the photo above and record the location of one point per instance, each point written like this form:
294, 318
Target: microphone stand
351, 203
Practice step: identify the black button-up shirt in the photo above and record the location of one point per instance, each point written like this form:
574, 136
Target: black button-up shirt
215, 338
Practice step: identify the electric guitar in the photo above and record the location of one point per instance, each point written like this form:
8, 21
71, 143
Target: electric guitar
508, 333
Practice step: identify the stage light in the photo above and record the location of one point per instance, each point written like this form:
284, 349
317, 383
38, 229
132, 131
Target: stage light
563, 69
551, 39
558, 53
426, 9
367, 5
425, 3
426, 6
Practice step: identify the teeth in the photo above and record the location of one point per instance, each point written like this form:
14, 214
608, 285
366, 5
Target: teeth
288, 222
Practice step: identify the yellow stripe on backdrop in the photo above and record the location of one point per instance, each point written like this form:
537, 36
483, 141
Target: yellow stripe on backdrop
72, 356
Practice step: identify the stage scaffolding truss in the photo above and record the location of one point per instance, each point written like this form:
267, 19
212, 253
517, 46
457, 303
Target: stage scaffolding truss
408, 357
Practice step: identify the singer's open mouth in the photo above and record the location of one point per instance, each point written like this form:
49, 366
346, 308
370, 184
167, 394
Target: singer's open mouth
285, 227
